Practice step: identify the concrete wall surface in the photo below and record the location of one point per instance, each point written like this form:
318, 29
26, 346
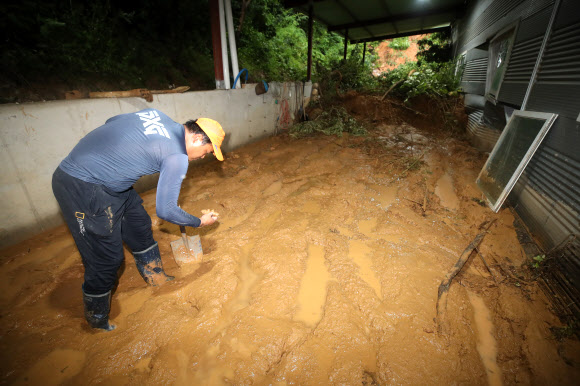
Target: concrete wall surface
35, 137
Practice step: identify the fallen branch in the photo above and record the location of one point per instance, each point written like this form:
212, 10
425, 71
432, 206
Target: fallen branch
446, 282
408, 199
424, 207
408, 168
406, 107
136, 93
175, 90
486, 265
396, 84
418, 203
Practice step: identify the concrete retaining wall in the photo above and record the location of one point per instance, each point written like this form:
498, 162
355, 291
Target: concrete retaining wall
35, 137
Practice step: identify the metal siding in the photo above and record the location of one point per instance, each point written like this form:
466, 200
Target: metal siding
564, 137
487, 18
568, 13
475, 53
475, 71
557, 98
523, 57
481, 136
548, 198
534, 6
474, 120
557, 177
562, 283
473, 88
557, 88
535, 25
541, 215
547, 195
473, 102
480, 24
473, 77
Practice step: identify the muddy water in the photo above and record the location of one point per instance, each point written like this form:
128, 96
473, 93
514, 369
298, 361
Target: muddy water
49, 370
359, 253
312, 293
445, 191
486, 343
322, 269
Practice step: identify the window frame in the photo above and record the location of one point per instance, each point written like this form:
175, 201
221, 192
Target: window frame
490, 66
549, 119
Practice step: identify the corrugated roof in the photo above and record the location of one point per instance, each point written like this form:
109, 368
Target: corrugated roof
371, 20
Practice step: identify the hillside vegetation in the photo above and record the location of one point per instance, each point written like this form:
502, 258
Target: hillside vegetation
54, 46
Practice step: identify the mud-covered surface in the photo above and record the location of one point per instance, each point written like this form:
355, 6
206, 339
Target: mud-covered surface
323, 269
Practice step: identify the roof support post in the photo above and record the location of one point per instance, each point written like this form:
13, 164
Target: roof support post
224, 44
310, 32
232, 40
216, 44
364, 52
345, 42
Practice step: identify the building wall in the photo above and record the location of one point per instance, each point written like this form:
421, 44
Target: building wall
547, 195
37, 136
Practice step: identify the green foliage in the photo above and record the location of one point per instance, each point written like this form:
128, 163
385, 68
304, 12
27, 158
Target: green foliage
433, 74
565, 332
129, 41
350, 74
400, 44
433, 79
154, 43
332, 121
273, 43
355, 74
537, 261
435, 48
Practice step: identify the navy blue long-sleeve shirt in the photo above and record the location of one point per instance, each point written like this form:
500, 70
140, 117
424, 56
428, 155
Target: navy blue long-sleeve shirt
129, 146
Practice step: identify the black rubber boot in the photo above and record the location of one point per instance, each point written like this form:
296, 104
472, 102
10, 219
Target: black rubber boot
97, 309
150, 266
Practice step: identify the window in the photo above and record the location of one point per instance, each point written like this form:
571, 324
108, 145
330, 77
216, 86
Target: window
500, 48
515, 147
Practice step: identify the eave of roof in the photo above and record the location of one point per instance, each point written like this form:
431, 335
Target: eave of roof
372, 20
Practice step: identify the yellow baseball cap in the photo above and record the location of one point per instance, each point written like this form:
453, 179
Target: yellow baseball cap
215, 133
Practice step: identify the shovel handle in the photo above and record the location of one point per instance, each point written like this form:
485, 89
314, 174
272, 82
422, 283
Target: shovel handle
184, 237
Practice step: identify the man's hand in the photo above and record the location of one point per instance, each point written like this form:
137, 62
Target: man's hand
208, 218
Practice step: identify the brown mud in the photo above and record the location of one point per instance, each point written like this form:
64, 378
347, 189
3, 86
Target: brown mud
322, 269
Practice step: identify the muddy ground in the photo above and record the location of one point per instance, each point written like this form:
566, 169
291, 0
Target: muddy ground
323, 269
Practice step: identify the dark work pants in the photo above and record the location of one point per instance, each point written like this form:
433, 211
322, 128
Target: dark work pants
100, 220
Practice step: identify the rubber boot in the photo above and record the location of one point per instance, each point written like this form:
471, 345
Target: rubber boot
150, 266
97, 309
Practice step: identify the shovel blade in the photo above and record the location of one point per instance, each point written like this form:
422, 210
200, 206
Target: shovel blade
182, 255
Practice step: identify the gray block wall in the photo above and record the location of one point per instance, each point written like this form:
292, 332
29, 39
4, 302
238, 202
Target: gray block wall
35, 137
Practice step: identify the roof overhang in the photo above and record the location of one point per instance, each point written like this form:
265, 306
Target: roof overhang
371, 20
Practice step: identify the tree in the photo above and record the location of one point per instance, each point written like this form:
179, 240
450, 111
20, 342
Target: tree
435, 48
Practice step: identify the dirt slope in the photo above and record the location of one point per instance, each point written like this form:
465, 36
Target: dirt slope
323, 269
389, 58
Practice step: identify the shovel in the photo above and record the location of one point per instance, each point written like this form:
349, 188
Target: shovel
187, 249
